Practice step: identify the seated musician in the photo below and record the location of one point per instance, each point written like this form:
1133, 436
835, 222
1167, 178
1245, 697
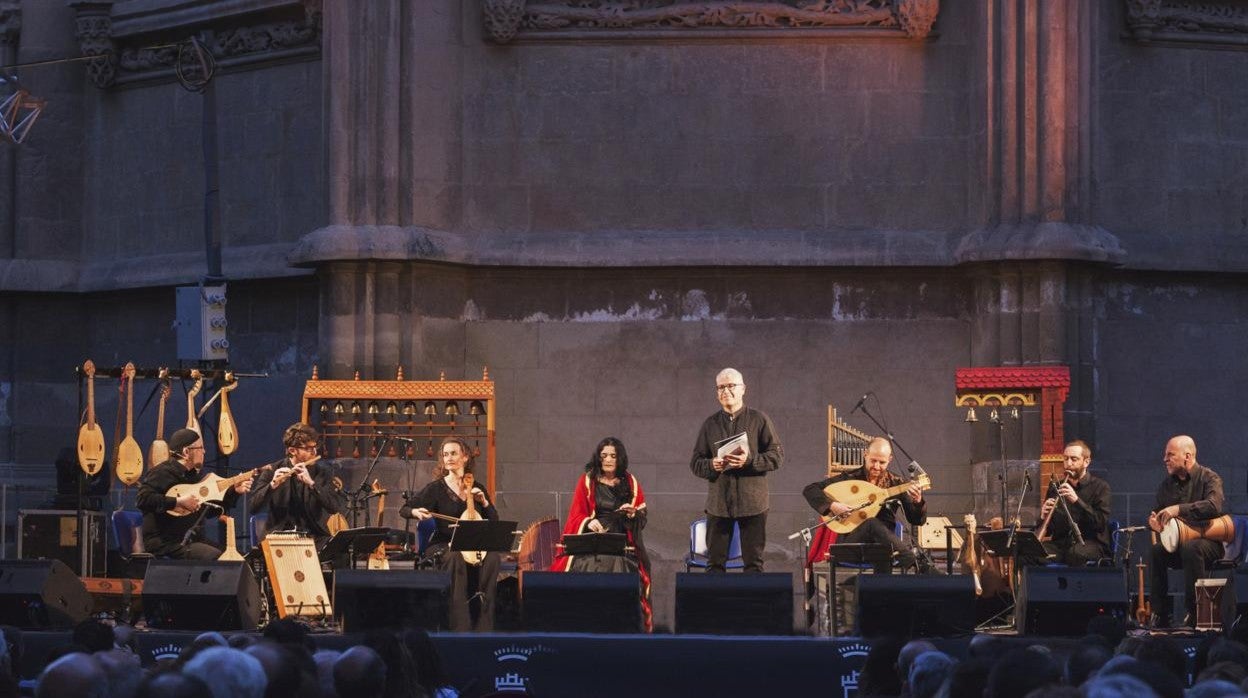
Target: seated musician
165, 535
296, 492
1193, 493
880, 529
609, 499
1087, 498
446, 495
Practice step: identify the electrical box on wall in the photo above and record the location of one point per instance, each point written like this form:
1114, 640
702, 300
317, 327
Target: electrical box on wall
201, 323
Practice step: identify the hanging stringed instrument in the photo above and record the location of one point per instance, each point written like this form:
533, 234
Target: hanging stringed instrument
90, 436
472, 557
192, 421
230, 554
227, 431
336, 523
377, 559
864, 500
158, 452
129, 454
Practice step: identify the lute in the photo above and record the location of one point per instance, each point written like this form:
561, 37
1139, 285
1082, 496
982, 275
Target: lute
90, 436
472, 557
158, 452
864, 500
227, 431
129, 454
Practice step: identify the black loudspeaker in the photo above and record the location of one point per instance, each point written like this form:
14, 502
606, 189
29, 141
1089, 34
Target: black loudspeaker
734, 604
367, 599
41, 594
585, 602
200, 595
1061, 600
915, 605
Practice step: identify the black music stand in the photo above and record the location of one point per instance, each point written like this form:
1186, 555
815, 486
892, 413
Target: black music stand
1014, 544
595, 543
483, 535
357, 542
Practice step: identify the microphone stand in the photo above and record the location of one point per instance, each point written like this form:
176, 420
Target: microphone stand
923, 559
362, 494
199, 520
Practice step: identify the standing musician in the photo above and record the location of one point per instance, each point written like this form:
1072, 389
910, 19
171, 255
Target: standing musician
165, 535
737, 483
1193, 493
298, 494
880, 529
446, 496
1087, 499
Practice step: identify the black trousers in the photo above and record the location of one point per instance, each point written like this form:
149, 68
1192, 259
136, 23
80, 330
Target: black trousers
1068, 552
753, 541
1194, 557
469, 583
875, 531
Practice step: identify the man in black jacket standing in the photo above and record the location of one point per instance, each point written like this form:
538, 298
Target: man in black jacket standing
297, 494
737, 491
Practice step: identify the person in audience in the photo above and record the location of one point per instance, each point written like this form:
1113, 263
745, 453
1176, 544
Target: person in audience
75, 674
172, 684
361, 672
229, 673
609, 499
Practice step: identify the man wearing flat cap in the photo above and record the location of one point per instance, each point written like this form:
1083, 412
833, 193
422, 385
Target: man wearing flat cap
163, 533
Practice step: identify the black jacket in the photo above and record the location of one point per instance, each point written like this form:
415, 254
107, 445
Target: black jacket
295, 505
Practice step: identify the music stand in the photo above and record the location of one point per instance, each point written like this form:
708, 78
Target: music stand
1014, 544
483, 535
356, 541
595, 544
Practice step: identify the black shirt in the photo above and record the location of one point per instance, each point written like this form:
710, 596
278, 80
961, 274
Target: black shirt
1090, 511
1199, 496
294, 505
740, 491
438, 498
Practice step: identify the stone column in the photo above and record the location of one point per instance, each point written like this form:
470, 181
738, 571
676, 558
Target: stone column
1035, 241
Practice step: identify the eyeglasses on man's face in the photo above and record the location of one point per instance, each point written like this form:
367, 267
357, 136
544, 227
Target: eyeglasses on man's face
727, 387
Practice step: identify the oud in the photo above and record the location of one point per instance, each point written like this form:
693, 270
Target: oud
864, 500
158, 452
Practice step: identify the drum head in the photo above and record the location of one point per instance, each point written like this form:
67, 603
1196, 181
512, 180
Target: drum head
1170, 535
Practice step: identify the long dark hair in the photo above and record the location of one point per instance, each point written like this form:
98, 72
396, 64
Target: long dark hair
594, 466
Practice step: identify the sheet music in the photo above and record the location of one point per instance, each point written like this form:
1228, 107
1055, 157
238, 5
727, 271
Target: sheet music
738, 444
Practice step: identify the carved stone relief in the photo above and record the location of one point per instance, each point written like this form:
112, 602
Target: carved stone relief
1220, 22
507, 20
146, 47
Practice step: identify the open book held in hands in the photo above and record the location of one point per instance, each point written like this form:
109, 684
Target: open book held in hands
733, 446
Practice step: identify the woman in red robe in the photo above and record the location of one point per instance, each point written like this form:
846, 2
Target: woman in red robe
607, 499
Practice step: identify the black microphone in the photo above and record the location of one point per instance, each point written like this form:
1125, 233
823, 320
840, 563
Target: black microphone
396, 437
861, 400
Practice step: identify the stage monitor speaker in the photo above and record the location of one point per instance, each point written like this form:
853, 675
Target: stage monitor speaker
41, 594
915, 605
581, 602
200, 595
734, 604
367, 599
1061, 600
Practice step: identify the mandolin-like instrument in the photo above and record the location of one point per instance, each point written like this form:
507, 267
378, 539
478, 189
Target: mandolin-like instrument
377, 559
90, 436
227, 430
210, 489
158, 452
129, 454
864, 500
